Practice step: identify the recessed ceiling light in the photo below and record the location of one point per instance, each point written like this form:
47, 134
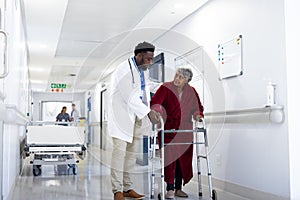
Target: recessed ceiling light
43, 46
38, 69
178, 5
35, 81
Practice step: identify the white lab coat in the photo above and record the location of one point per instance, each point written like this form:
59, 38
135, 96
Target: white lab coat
125, 104
75, 115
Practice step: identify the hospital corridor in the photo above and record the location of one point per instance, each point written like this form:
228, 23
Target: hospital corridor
149, 99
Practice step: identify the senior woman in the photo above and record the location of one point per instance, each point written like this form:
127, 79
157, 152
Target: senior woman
178, 103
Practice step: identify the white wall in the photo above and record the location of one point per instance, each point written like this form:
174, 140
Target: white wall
15, 88
252, 155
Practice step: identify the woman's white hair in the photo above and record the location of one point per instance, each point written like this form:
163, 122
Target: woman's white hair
186, 72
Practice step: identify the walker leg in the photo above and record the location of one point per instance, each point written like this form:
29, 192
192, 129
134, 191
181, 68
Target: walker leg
152, 189
162, 165
152, 181
211, 191
152, 156
198, 165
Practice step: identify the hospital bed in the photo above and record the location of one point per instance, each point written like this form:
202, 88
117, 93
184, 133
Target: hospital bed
54, 144
199, 132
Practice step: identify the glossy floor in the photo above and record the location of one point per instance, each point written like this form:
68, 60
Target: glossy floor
92, 182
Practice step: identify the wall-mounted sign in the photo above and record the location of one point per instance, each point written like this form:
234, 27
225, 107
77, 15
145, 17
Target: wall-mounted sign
59, 85
57, 90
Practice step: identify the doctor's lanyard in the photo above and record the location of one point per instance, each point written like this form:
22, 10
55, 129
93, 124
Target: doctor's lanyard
141, 76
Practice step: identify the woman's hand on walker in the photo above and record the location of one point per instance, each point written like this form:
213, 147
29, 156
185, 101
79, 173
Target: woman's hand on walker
198, 118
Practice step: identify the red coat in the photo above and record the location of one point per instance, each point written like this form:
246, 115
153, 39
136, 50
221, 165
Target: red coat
177, 115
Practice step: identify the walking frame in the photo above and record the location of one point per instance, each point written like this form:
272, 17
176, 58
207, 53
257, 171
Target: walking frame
197, 131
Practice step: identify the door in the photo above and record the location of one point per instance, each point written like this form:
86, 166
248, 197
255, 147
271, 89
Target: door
103, 116
89, 103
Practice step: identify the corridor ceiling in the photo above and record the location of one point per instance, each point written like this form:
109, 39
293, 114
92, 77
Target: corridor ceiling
79, 42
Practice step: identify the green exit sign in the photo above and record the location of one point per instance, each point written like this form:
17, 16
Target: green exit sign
58, 85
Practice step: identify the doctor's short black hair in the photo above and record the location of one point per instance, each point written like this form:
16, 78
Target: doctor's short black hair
143, 47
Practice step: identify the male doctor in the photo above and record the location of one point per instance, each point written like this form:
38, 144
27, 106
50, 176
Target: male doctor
129, 114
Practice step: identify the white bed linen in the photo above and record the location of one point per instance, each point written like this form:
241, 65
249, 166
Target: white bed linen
55, 135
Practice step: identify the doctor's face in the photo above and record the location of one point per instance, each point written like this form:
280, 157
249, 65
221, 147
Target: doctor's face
144, 60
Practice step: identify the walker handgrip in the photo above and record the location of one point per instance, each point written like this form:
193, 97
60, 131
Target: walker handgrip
203, 123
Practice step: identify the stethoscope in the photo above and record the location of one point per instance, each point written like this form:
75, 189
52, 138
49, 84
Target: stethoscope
133, 82
132, 76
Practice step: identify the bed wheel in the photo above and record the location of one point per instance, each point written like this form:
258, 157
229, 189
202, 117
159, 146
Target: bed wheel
70, 165
70, 171
36, 170
75, 169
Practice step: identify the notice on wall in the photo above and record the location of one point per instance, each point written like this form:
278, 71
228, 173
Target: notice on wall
230, 58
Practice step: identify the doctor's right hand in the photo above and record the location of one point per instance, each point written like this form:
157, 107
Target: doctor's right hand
154, 116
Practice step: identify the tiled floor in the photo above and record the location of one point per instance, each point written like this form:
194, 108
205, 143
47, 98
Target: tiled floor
92, 182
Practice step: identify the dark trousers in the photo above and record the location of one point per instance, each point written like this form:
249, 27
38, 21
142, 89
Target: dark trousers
178, 179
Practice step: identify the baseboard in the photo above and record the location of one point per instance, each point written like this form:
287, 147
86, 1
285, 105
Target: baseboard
239, 190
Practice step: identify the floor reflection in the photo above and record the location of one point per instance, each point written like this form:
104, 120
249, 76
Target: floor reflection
91, 182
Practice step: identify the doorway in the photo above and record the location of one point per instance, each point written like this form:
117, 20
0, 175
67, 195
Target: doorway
89, 114
103, 116
50, 109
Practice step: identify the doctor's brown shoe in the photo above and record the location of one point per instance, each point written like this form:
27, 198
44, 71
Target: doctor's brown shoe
118, 196
133, 194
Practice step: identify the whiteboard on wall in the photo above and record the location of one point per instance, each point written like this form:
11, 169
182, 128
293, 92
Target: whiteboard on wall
230, 58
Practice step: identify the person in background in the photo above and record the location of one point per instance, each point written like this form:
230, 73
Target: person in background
178, 103
63, 116
128, 117
74, 113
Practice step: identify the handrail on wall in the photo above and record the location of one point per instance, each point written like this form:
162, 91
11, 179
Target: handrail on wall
273, 114
14, 115
5, 71
94, 123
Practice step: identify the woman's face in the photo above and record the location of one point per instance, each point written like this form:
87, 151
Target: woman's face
180, 80
64, 110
